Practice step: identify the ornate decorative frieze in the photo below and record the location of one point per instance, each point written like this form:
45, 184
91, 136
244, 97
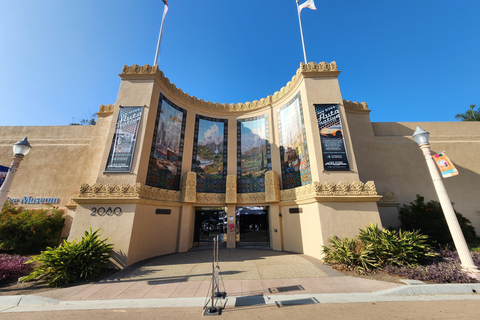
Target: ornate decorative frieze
328, 188
190, 187
106, 109
355, 106
389, 197
272, 187
136, 69
232, 107
316, 67
126, 190
211, 198
231, 189
247, 198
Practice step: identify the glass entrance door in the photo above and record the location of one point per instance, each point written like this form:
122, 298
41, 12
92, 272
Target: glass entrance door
209, 223
252, 226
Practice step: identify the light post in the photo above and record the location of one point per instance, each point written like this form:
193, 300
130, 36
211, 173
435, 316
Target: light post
20, 150
422, 138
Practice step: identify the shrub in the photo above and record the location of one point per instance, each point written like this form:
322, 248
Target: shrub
28, 231
72, 261
430, 220
396, 247
350, 253
13, 267
376, 248
444, 268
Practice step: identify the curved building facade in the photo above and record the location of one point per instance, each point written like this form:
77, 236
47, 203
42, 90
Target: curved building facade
163, 171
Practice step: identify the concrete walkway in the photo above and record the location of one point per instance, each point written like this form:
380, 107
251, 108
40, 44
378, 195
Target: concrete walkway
248, 276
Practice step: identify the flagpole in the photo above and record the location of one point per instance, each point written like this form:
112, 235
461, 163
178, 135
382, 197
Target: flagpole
160, 35
301, 33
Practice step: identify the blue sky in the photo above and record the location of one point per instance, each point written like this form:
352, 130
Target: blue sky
410, 60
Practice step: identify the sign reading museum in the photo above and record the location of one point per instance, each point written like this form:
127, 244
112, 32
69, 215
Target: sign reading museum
331, 136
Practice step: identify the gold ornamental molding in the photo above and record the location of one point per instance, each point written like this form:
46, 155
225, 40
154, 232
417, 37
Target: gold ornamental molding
231, 189
331, 191
190, 187
251, 198
388, 200
211, 198
105, 109
356, 107
126, 191
305, 69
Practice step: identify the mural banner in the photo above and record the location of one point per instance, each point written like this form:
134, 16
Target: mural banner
3, 174
210, 154
123, 144
331, 137
164, 167
253, 153
294, 156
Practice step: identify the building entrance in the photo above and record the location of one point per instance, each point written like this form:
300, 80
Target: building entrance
209, 223
252, 226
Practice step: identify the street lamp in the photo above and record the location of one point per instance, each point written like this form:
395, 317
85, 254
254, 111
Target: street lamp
20, 150
422, 138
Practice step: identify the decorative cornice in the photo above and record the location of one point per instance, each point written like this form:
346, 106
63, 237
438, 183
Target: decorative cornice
318, 67
354, 106
388, 200
311, 67
125, 190
105, 109
328, 189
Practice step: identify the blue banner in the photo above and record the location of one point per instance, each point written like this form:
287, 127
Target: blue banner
3, 174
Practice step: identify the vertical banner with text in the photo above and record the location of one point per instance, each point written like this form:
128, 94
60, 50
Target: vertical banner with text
331, 137
123, 144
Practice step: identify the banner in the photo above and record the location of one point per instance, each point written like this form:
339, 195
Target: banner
331, 137
445, 165
3, 174
123, 144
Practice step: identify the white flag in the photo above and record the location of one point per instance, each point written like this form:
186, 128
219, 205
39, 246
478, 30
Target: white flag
307, 4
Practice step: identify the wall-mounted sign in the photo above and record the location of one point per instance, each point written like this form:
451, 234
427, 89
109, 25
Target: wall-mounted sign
445, 165
163, 211
31, 200
123, 144
331, 137
109, 211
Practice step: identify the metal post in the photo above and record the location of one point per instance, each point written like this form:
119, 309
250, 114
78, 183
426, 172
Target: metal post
301, 33
452, 222
9, 178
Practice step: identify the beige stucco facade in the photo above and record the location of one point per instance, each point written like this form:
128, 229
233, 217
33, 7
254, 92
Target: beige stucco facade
386, 170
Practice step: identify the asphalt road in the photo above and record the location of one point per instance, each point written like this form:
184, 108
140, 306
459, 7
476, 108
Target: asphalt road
462, 309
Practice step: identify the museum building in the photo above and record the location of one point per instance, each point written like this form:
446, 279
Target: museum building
163, 172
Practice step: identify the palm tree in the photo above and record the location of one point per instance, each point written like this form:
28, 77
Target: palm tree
470, 115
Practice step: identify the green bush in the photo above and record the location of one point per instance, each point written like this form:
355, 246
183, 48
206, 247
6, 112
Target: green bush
429, 219
350, 254
72, 261
29, 231
375, 248
396, 247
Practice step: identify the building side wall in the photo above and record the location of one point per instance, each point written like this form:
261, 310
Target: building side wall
387, 154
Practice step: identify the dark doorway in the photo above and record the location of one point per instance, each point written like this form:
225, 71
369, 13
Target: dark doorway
209, 223
252, 226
